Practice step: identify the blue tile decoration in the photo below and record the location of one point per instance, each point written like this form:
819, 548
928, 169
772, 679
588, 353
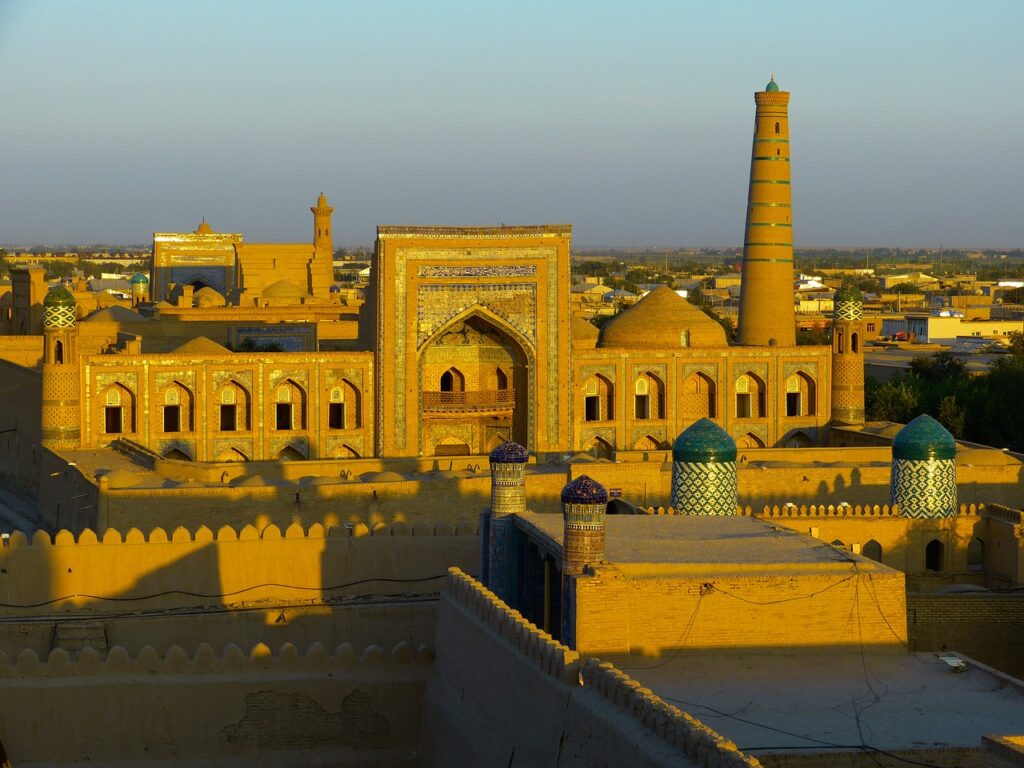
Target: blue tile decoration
847, 303
584, 490
509, 452
924, 438
704, 471
923, 479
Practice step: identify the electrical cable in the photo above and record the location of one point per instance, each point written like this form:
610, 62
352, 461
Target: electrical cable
187, 593
817, 742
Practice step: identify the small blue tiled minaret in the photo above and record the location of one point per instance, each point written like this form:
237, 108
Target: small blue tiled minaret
584, 506
704, 471
499, 550
923, 481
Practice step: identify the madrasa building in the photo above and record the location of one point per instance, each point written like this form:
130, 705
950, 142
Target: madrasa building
276, 528
465, 340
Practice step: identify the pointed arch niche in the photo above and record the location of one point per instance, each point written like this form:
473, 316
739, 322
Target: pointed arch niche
476, 379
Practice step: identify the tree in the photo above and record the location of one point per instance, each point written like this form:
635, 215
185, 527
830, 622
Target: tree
952, 416
895, 400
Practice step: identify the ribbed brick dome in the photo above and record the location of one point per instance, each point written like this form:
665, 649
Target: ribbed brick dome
662, 320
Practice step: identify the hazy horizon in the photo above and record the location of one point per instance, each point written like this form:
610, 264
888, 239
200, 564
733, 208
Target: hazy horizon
630, 122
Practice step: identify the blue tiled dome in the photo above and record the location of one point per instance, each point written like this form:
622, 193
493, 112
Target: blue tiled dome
509, 452
772, 86
584, 490
139, 279
704, 442
924, 438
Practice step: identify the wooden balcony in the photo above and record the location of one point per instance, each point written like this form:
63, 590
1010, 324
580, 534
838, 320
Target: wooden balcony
465, 402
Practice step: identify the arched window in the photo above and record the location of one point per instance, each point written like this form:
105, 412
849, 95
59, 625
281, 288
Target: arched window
934, 556
452, 380
778, 128
598, 400
290, 411
750, 397
118, 410
336, 409
801, 395
855, 343
172, 410
873, 550
58, 352
648, 397
699, 398
840, 340
501, 378
234, 408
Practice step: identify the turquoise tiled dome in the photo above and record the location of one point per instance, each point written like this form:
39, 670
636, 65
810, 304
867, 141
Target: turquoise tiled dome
584, 490
139, 279
772, 86
704, 442
924, 438
848, 292
59, 297
509, 452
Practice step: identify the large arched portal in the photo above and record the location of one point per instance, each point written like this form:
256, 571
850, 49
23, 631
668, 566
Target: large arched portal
474, 387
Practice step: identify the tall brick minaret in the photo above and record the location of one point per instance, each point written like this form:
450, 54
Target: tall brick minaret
321, 268
766, 301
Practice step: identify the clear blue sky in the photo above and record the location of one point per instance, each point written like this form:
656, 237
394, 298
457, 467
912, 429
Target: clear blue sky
631, 121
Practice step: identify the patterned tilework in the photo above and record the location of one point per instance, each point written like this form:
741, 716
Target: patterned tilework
700, 488
501, 270
583, 541
924, 488
508, 487
514, 303
851, 311
59, 316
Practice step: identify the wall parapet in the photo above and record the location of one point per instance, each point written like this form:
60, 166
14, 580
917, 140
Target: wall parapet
249, 532
548, 654
700, 742
1005, 514
230, 660
846, 510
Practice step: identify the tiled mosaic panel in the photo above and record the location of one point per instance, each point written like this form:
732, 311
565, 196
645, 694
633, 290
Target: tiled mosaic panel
58, 317
704, 488
848, 310
924, 488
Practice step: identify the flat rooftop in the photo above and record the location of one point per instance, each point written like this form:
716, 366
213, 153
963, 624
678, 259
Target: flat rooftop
686, 540
789, 703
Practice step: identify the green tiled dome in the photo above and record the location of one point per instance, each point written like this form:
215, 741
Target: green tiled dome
59, 297
704, 442
772, 86
848, 292
139, 279
924, 438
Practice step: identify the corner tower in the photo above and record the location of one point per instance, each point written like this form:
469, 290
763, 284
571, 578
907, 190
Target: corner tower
60, 415
766, 302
